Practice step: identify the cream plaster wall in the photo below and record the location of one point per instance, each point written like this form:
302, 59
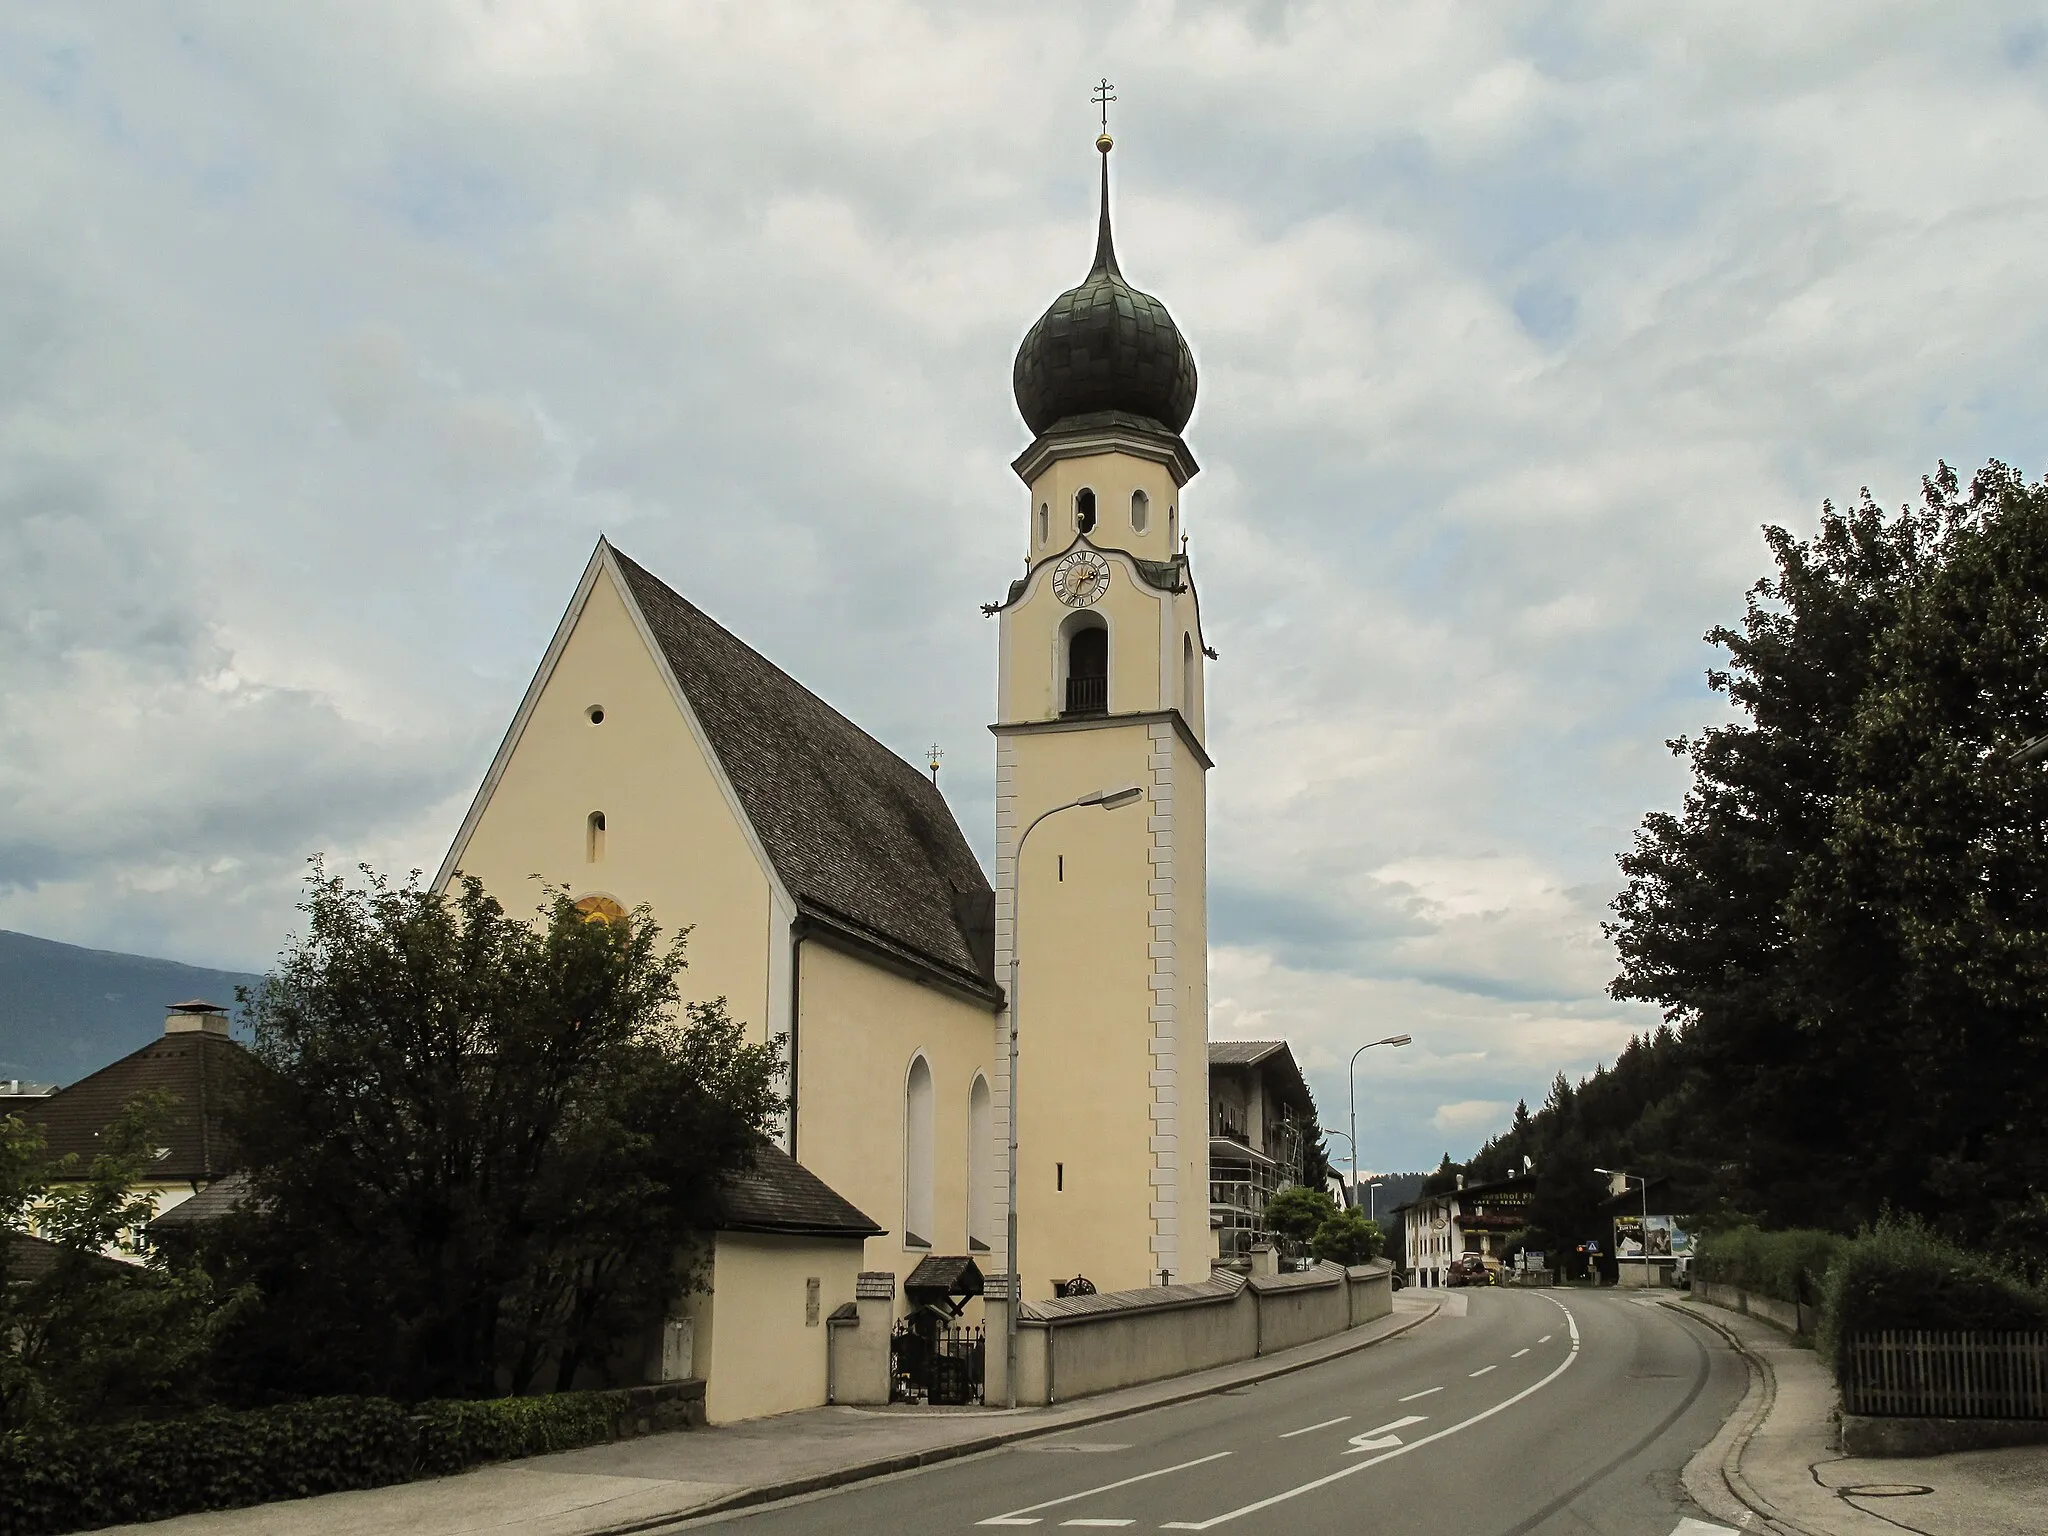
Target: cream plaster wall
1112, 476
755, 1349
672, 837
858, 1026
1086, 1064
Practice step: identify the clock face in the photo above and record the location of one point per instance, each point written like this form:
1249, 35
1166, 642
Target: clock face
1081, 578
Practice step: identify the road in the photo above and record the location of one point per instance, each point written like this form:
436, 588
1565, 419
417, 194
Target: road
1538, 1413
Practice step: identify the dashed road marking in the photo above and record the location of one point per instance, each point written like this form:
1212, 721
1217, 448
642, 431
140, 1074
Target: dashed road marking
1099, 1522
1342, 1418
1017, 1516
1483, 1370
1691, 1527
1518, 1354
1311, 1486
1423, 1393
1544, 1340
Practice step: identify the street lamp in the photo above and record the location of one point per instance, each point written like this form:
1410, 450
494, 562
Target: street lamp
1373, 1214
1109, 800
1643, 1232
1390, 1040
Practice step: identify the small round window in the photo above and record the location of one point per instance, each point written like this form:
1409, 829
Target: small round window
594, 714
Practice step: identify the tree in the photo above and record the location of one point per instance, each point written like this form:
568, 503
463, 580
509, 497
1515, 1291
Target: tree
1346, 1237
88, 1337
479, 1149
1297, 1212
1847, 922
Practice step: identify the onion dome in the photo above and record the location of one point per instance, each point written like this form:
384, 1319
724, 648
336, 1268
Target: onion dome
1104, 346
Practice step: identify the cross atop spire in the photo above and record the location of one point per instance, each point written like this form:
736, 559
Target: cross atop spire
1102, 96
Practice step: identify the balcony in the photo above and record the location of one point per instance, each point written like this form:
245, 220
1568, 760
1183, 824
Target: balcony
1087, 696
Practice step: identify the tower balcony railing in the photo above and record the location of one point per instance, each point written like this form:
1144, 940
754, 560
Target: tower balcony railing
1087, 696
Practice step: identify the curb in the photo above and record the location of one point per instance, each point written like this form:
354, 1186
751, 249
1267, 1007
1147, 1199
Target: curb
1739, 1487
909, 1461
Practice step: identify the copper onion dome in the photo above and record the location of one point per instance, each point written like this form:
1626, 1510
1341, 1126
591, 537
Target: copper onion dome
1104, 346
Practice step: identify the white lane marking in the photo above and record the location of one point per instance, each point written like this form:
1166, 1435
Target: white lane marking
1342, 1418
1379, 1439
1099, 1522
1546, 1338
1423, 1393
1518, 1354
1484, 1369
1691, 1527
1399, 1450
1010, 1516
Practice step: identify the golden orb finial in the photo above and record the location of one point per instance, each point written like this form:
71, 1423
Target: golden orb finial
1105, 143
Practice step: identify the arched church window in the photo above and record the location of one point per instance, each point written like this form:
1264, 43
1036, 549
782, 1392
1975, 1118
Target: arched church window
981, 1135
1084, 510
1044, 521
593, 837
917, 1155
1141, 511
1087, 667
1187, 678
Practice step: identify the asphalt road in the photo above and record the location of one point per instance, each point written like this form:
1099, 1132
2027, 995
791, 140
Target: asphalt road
1539, 1413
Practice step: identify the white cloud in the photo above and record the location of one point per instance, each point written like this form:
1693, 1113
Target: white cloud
332, 335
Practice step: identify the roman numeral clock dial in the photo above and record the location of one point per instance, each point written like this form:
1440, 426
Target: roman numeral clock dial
1080, 579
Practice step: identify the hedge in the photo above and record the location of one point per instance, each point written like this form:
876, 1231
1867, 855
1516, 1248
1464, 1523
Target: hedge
1901, 1275
74, 1479
1768, 1263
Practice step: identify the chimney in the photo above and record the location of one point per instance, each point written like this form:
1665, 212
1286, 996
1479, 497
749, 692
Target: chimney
196, 1017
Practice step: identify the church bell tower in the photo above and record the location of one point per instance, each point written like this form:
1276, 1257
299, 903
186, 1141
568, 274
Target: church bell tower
1100, 688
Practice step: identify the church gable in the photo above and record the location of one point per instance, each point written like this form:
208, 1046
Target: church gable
861, 840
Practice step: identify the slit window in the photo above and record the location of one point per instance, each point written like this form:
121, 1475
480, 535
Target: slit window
1141, 511
1044, 522
1059, 1177
1084, 510
593, 837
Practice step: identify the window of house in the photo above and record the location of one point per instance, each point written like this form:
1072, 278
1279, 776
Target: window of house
593, 837
1084, 510
1141, 511
1044, 521
917, 1156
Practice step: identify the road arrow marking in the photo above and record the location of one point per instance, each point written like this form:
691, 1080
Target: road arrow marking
1383, 1438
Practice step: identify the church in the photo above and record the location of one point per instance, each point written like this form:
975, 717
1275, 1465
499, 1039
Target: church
833, 901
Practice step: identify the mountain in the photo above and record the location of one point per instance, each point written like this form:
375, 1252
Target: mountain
67, 1011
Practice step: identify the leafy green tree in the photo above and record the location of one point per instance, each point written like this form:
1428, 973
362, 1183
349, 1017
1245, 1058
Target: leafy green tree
1347, 1238
479, 1149
1848, 920
84, 1336
1297, 1212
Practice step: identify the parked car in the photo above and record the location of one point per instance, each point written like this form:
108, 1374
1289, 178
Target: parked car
1468, 1269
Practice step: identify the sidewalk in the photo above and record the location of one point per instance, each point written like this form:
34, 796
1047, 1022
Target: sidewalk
641, 1485
1774, 1465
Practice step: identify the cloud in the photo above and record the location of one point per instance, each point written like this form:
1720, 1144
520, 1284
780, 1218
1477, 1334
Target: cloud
1469, 1117
331, 337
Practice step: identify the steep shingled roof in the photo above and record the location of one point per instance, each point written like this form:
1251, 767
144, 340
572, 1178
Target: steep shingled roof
861, 839
193, 1068
779, 1195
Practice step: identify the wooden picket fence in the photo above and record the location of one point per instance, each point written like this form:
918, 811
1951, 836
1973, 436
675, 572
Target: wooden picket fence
1900, 1374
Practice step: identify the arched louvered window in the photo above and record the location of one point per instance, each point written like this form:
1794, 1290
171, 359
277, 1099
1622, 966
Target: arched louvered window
981, 1136
917, 1155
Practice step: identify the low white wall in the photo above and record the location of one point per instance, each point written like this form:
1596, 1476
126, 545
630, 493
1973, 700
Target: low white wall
1087, 1344
1783, 1314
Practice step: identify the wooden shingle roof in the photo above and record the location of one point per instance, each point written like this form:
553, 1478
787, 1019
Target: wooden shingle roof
779, 1195
863, 841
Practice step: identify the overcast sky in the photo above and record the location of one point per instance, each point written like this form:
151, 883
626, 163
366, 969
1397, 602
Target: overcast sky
333, 334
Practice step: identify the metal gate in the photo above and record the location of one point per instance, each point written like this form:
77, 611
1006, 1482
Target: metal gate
941, 1366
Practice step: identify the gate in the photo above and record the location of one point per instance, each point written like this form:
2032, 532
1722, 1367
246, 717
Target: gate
933, 1364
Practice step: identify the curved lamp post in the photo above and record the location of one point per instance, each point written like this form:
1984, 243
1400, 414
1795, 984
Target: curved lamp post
1108, 800
1390, 1040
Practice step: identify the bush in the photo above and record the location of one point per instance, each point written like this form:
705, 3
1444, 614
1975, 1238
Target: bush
1347, 1238
73, 1479
1902, 1275
1769, 1263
